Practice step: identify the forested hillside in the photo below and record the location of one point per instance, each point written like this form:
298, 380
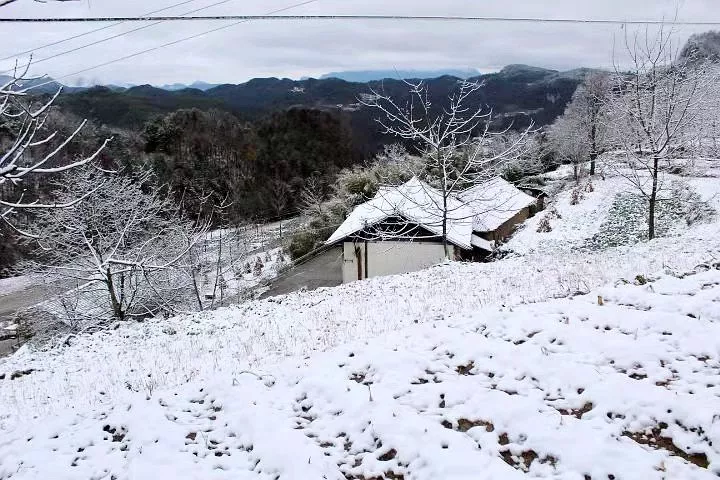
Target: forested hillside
213, 158
252, 147
515, 92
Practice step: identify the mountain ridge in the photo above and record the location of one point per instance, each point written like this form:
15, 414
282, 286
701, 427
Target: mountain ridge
517, 95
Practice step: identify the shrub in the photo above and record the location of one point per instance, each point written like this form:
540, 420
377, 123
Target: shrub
576, 196
544, 225
258, 267
626, 223
302, 243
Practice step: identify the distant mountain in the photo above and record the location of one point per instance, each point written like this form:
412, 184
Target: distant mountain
517, 95
364, 76
173, 87
132, 107
40, 84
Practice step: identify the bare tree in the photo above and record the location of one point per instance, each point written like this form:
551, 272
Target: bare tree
596, 92
653, 111
312, 197
279, 199
453, 141
124, 246
31, 152
579, 134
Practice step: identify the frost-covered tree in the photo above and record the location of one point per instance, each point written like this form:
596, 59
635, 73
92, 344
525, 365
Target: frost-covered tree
28, 152
654, 112
580, 133
706, 121
312, 197
123, 246
567, 141
453, 139
280, 195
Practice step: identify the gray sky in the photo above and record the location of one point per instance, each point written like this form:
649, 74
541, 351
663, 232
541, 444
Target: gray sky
295, 49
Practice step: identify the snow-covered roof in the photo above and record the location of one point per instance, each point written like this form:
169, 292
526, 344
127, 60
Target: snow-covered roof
494, 203
480, 242
480, 209
418, 203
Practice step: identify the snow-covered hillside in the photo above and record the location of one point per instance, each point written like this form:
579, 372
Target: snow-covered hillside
489, 371
563, 389
608, 212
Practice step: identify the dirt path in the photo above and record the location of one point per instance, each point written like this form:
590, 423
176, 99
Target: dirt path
18, 300
11, 303
325, 270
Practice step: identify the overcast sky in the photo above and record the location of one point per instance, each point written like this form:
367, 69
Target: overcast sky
296, 49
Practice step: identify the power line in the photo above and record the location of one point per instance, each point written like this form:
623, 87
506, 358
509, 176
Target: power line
441, 18
89, 32
107, 39
168, 44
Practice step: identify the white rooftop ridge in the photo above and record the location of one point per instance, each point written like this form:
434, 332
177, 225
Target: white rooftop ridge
494, 202
482, 208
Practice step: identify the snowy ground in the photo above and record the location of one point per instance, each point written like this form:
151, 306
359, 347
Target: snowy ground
574, 226
563, 389
459, 371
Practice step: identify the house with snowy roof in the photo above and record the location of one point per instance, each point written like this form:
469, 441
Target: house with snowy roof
401, 229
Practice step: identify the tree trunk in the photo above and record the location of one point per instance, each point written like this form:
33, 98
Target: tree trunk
218, 271
444, 229
358, 259
446, 249
593, 144
117, 308
193, 273
653, 200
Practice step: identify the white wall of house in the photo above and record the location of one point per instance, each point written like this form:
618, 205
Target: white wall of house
388, 258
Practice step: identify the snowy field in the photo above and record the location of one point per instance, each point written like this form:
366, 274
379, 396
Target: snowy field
491, 371
562, 389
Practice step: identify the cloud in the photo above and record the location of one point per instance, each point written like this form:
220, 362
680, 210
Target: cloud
295, 49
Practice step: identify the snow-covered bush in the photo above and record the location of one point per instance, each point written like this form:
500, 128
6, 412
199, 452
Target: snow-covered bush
626, 223
576, 196
258, 267
544, 225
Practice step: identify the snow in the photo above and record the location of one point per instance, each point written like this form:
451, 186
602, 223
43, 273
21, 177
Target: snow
573, 226
576, 223
480, 242
471, 395
482, 208
495, 202
12, 285
416, 202
483, 371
